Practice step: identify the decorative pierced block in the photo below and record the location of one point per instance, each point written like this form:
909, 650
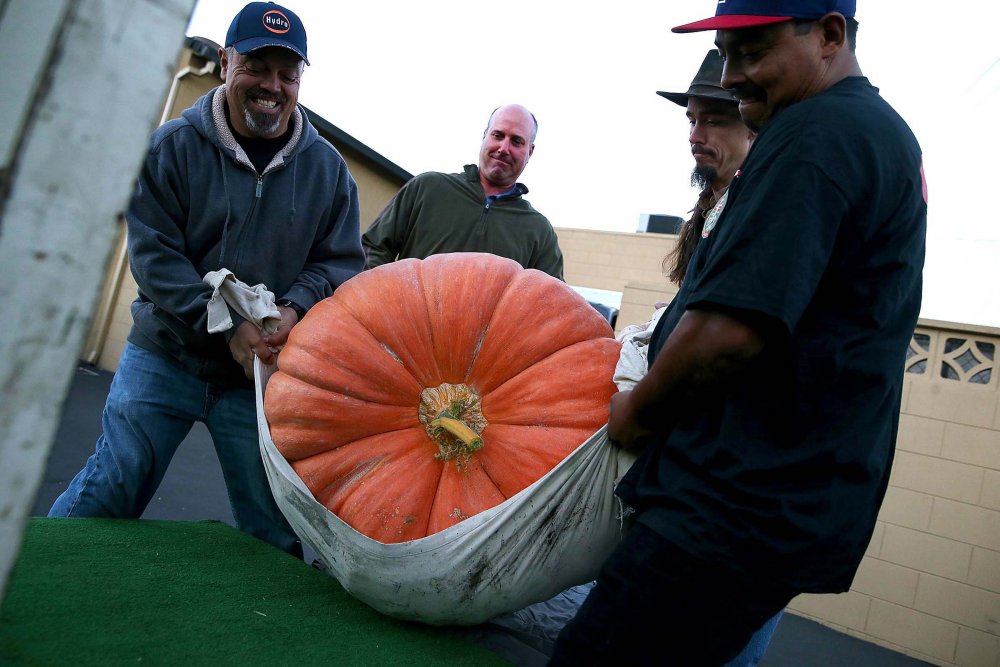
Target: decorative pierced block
918, 354
968, 360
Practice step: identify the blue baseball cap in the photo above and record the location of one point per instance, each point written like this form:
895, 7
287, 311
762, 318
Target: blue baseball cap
262, 24
734, 14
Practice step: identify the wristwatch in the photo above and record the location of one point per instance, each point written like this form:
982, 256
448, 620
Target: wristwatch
299, 310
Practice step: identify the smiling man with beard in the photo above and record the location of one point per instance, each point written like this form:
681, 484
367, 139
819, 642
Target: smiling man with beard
243, 182
262, 88
481, 209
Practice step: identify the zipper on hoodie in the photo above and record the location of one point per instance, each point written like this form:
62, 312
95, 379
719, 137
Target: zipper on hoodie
258, 190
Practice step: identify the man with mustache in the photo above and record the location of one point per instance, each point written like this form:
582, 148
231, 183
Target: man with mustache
243, 182
767, 420
481, 209
719, 141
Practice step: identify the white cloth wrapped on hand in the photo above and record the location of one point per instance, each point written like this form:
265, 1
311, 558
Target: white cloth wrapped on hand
634, 359
254, 304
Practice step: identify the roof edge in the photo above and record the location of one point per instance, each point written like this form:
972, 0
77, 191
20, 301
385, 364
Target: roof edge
206, 48
323, 125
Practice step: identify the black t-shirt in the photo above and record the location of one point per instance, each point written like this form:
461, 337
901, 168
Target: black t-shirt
260, 150
820, 248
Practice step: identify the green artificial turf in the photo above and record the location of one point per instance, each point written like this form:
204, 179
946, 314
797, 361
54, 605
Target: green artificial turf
116, 592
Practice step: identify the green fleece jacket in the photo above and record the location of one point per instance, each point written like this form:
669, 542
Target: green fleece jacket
436, 213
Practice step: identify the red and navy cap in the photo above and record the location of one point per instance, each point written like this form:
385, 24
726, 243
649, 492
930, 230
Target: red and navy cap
262, 24
734, 14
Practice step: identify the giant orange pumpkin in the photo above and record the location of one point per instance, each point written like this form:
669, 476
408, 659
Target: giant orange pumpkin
425, 391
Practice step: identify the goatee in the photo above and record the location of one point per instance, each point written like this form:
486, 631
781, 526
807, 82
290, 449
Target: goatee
703, 176
261, 124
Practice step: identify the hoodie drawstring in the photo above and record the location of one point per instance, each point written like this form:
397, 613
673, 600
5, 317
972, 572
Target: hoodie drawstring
225, 226
295, 173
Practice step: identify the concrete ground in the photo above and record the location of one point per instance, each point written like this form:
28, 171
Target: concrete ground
193, 490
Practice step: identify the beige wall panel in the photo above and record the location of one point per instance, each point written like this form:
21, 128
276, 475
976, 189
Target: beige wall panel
610, 260
903, 507
927, 553
977, 649
905, 398
639, 301
966, 523
985, 570
848, 610
199, 76
921, 435
928, 474
886, 581
374, 189
189, 93
963, 604
112, 352
923, 633
121, 323
102, 309
991, 490
874, 549
952, 401
971, 444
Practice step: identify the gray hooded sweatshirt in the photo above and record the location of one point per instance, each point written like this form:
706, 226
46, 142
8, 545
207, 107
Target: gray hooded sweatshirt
200, 206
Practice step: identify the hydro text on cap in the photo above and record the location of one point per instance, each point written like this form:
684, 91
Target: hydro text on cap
734, 14
263, 24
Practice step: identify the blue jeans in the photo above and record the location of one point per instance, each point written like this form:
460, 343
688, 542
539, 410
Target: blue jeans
656, 604
542, 621
753, 652
150, 409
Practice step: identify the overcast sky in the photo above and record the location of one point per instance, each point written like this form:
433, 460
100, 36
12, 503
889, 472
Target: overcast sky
416, 82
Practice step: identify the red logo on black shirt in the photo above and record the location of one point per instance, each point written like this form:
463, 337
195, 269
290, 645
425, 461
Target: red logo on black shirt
923, 180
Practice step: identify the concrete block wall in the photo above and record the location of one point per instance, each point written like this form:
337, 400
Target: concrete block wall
640, 299
610, 260
929, 585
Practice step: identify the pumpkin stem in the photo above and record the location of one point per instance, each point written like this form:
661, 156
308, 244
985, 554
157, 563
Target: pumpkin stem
461, 431
452, 415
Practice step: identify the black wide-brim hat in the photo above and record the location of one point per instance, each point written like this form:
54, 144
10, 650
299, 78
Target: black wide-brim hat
707, 83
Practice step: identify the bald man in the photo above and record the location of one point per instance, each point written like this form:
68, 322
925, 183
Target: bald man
481, 209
